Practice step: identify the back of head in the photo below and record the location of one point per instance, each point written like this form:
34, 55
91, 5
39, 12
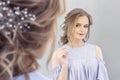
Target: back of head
26, 26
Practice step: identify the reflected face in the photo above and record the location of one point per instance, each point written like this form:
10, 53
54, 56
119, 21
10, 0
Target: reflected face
80, 28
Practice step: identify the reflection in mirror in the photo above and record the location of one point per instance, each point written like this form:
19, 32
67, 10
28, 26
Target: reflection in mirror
104, 31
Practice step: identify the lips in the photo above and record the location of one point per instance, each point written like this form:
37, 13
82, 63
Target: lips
81, 34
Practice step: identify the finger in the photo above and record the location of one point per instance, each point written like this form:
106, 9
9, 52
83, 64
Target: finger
62, 52
64, 56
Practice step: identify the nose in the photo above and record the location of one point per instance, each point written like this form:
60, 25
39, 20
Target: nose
82, 29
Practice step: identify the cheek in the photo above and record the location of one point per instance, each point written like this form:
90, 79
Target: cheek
75, 30
86, 30
73, 33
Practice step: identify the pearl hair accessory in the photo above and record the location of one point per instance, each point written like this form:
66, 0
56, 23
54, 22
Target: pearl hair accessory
12, 17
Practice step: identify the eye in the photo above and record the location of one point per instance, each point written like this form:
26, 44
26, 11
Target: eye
78, 25
86, 26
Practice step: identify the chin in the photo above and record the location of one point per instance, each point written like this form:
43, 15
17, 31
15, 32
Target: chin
80, 38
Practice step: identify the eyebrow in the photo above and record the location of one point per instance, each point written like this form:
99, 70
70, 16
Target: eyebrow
80, 24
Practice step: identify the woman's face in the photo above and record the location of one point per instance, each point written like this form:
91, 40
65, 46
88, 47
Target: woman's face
80, 28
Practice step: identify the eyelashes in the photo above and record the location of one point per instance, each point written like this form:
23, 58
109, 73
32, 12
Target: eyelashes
79, 25
86, 26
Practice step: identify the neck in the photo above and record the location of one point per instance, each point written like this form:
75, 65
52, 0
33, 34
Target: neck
76, 43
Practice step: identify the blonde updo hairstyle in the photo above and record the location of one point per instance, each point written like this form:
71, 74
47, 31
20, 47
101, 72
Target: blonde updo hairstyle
18, 56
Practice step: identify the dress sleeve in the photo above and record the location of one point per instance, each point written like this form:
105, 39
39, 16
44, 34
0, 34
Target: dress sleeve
102, 71
56, 71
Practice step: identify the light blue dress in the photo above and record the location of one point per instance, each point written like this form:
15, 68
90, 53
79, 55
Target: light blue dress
84, 64
33, 76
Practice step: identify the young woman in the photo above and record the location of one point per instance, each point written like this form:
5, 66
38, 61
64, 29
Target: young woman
26, 28
77, 59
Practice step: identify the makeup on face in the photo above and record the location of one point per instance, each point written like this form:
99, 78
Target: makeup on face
81, 32
81, 27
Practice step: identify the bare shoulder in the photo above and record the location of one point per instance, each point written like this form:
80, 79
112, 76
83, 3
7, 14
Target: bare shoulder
99, 52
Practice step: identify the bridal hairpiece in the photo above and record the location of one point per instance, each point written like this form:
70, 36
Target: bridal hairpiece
12, 17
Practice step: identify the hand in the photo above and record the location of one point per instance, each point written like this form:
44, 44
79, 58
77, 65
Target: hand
62, 56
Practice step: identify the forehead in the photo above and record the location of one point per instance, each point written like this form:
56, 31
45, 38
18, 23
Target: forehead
82, 19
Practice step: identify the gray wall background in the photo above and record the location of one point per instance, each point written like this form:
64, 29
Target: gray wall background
104, 31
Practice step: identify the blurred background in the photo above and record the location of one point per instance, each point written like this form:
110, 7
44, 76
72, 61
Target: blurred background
105, 32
